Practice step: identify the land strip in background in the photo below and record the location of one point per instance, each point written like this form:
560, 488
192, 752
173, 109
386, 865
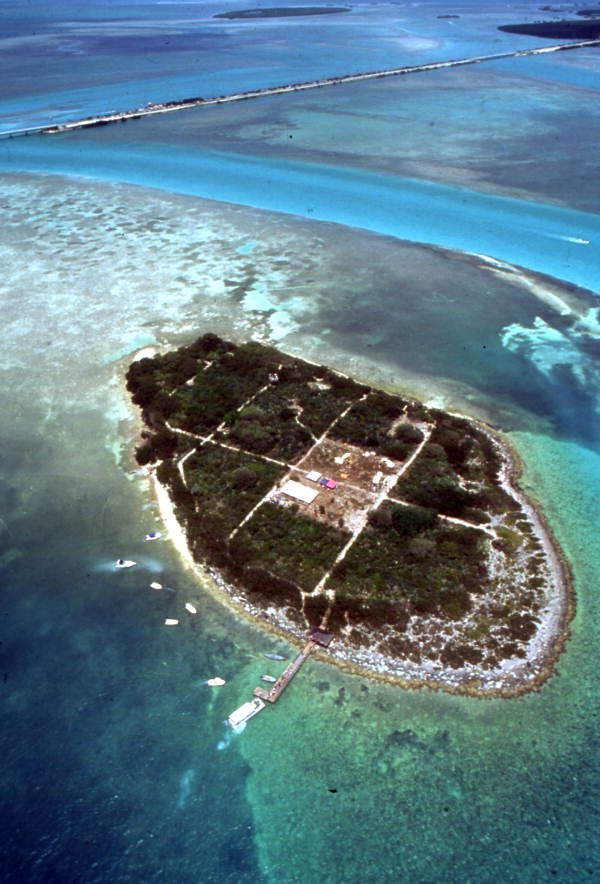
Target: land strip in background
153, 109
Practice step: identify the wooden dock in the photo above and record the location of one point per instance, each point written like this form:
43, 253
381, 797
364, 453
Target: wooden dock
287, 675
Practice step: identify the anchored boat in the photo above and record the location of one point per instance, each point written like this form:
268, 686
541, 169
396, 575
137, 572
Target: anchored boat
270, 678
275, 657
245, 712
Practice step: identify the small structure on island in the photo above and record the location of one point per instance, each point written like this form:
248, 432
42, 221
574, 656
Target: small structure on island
327, 483
321, 637
299, 491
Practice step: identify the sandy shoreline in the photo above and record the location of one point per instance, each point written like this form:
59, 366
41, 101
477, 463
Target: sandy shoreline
511, 679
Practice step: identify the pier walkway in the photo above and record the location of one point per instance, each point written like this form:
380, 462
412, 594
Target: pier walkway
286, 676
318, 638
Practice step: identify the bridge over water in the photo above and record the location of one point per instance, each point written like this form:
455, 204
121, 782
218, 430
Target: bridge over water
187, 103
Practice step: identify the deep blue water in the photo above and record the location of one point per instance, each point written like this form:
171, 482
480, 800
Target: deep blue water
117, 763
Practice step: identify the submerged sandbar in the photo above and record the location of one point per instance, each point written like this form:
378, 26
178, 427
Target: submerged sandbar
322, 502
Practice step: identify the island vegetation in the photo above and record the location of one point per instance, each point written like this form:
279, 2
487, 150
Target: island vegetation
322, 502
281, 12
564, 29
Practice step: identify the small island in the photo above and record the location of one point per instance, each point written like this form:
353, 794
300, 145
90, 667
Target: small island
281, 12
563, 29
317, 502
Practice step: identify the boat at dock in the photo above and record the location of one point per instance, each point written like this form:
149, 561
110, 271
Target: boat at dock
270, 678
275, 657
245, 712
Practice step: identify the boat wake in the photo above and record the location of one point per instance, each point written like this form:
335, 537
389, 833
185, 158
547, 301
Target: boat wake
185, 787
565, 238
230, 734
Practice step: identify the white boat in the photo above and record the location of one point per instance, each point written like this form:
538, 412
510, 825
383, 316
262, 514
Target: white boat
153, 535
189, 607
170, 621
124, 563
216, 682
245, 712
270, 678
155, 585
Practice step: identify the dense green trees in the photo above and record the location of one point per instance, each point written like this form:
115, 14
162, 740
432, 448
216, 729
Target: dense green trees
228, 482
430, 571
291, 545
411, 520
408, 562
432, 482
369, 423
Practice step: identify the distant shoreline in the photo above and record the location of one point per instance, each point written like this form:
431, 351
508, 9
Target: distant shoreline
153, 109
556, 30
281, 12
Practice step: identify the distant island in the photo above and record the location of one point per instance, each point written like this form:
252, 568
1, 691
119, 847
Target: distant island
557, 30
318, 501
282, 11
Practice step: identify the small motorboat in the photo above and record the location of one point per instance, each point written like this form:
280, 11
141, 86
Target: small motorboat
270, 678
124, 563
153, 535
155, 585
170, 621
189, 607
216, 682
275, 657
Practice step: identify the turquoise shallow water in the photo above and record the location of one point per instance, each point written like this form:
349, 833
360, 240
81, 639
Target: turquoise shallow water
550, 239
118, 766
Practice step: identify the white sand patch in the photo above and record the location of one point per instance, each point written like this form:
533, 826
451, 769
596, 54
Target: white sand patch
145, 353
175, 531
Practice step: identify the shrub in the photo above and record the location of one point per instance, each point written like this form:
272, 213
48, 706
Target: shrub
252, 436
421, 547
315, 608
243, 477
395, 449
455, 603
205, 345
411, 520
457, 655
521, 626
408, 433
164, 444
380, 518
144, 453
252, 413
